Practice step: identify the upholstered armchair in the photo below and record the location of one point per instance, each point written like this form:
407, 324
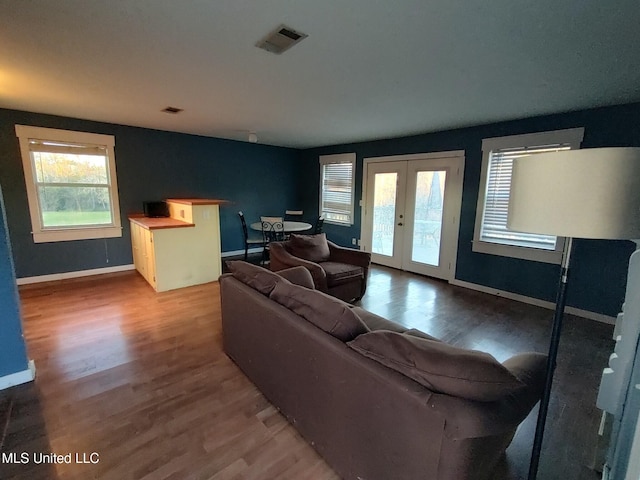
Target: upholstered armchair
338, 271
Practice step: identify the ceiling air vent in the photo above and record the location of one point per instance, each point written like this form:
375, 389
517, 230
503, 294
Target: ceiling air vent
173, 110
281, 39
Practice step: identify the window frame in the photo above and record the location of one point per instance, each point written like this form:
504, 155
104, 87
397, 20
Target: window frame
573, 137
42, 234
325, 160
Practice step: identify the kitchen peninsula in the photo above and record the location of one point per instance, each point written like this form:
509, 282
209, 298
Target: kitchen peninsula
180, 250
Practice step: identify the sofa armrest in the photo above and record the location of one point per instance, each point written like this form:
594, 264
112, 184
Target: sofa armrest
298, 275
349, 255
280, 259
530, 369
472, 419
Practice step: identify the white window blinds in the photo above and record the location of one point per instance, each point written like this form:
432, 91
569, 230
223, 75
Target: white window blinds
337, 188
498, 187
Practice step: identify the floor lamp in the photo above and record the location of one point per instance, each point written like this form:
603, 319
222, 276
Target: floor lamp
589, 193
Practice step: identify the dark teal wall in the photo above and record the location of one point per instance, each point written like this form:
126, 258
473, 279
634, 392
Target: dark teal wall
151, 165
260, 179
599, 272
13, 355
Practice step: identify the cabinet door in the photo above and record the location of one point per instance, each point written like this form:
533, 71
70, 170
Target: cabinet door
149, 257
137, 248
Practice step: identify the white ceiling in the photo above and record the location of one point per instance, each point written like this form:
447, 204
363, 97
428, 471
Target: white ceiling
370, 68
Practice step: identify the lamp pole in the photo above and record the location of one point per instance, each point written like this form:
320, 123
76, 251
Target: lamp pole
561, 299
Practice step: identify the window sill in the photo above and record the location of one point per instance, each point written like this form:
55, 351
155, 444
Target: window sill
66, 235
339, 224
524, 253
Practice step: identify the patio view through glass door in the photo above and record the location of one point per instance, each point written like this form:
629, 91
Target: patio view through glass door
411, 211
387, 207
427, 217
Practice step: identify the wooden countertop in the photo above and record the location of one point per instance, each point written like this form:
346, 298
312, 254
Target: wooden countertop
156, 223
197, 201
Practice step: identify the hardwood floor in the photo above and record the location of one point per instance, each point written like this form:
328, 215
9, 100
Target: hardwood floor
140, 379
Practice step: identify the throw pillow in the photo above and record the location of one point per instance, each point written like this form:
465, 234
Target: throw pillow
325, 312
256, 277
313, 248
440, 367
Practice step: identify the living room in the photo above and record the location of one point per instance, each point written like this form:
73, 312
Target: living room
157, 161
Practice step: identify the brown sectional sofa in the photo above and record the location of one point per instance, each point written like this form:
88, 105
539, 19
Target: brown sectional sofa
354, 384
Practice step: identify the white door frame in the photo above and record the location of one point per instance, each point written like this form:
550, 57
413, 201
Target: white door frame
456, 202
394, 260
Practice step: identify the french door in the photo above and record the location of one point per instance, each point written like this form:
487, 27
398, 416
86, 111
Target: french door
412, 210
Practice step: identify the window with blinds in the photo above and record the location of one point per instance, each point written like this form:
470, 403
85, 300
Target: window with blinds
337, 188
491, 235
496, 207
71, 186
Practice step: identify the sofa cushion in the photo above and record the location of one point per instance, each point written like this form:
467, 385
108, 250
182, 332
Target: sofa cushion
325, 312
419, 333
313, 248
256, 277
376, 322
339, 273
440, 367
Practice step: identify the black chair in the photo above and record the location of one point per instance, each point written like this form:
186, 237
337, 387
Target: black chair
250, 240
293, 215
272, 231
319, 225
315, 229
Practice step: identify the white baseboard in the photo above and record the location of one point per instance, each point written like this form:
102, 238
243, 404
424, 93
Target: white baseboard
99, 271
598, 317
77, 274
19, 378
234, 253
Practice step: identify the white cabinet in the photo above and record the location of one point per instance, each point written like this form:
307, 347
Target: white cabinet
181, 250
143, 253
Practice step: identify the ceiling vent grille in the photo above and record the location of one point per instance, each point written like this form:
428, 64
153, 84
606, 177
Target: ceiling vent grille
281, 40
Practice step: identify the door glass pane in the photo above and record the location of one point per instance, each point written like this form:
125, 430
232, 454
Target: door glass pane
428, 217
384, 212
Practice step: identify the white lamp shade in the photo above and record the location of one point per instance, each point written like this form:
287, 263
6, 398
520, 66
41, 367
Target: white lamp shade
589, 193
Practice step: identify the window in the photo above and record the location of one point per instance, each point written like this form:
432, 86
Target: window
491, 233
337, 188
71, 184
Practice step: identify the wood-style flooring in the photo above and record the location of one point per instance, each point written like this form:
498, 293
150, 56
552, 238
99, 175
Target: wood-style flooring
139, 378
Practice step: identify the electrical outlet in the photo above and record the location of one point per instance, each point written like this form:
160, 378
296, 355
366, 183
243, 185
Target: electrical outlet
358, 242
353, 241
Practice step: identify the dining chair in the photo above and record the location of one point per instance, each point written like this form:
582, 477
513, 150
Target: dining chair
272, 231
248, 240
293, 215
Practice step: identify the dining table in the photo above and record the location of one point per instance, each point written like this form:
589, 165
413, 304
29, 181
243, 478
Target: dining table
289, 226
